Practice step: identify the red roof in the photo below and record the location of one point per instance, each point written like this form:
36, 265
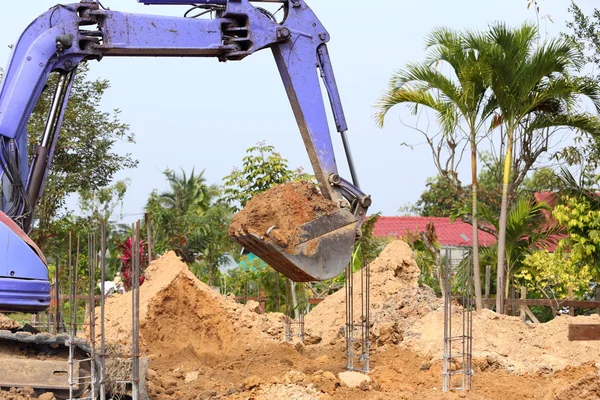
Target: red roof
551, 199
449, 233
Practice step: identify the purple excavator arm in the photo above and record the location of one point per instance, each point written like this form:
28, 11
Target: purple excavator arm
67, 35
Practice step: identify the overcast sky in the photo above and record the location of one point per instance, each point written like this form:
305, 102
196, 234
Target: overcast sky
202, 114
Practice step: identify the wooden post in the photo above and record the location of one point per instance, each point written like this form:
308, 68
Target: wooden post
598, 296
87, 307
512, 294
149, 231
488, 283
523, 297
571, 308
262, 300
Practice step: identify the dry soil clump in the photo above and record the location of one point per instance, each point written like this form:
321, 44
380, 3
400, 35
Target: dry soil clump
7, 324
286, 207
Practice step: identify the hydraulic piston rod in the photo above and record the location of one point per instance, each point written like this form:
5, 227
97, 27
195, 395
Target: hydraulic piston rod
40, 162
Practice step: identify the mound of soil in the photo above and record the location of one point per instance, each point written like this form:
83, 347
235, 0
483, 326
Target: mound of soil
7, 324
286, 207
396, 300
405, 314
173, 300
586, 388
508, 342
205, 346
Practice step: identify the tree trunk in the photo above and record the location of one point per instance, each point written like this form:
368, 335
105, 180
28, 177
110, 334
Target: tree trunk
294, 300
476, 269
502, 229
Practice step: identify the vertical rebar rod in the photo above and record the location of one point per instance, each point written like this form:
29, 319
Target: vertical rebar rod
288, 310
470, 329
368, 317
301, 327
92, 317
57, 295
75, 302
447, 326
132, 287
347, 327
362, 316
135, 312
464, 325
75, 284
71, 301
102, 300
349, 318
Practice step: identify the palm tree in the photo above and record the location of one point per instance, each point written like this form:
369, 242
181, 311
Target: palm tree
188, 192
527, 231
533, 91
458, 98
188, 219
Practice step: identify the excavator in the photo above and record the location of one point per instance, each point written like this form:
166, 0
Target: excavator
65, 36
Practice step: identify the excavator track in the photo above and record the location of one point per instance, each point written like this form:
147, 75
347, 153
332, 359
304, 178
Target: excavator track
41, 361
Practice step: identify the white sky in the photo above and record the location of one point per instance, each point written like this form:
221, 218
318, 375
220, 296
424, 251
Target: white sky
183, 111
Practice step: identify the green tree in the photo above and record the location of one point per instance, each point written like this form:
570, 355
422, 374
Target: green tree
439, 198
262, 168
533, 91
84, 159
543, 180
527, 231
581, 219
172, 212
100, 204
585, 33
188, 193
552, 274
190, 220
459, 101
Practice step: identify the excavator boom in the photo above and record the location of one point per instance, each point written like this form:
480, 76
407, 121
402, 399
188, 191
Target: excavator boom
66, 35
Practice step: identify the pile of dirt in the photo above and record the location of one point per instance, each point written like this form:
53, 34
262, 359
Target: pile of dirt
205, 346
508, 342
186, 328
406, 314
7, 324
396, 299
285, 207
585, 388
173, 300
21, 394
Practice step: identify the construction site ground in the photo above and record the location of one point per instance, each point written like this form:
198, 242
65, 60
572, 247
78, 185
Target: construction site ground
202, 345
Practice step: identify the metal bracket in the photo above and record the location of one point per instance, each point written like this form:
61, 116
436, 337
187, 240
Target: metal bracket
359, 201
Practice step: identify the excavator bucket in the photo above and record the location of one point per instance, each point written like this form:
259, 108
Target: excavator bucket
317, 250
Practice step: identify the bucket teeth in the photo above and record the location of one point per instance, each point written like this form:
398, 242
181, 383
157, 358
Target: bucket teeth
318, 250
